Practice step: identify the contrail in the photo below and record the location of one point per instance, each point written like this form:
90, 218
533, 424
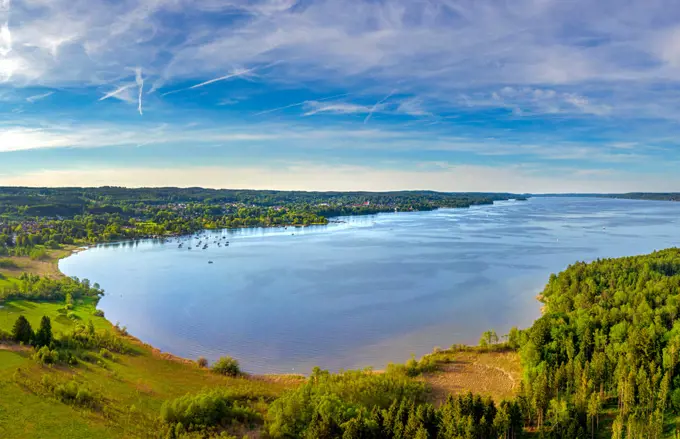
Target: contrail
202, 84
375, 107
299, 104
116, 92
222, 78
140, 83
36, 98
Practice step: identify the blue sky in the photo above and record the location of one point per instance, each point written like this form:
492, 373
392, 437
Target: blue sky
473, 95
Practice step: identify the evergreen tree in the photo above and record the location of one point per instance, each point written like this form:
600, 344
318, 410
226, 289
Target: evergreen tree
44, 335
22, 331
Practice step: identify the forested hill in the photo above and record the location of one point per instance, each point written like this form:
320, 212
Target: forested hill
51, 217
68, 202
668, 196
654, 196
121, 195
609, 337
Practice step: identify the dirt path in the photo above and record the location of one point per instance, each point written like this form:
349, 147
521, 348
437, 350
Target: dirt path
14, 347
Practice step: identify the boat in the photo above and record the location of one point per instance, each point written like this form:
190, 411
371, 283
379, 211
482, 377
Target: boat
210, 262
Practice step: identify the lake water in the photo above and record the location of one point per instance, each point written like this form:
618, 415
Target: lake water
366, 291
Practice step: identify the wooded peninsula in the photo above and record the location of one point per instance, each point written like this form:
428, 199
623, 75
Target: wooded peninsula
602, 360
49, 217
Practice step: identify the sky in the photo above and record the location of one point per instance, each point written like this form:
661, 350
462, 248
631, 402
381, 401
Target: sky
449, 95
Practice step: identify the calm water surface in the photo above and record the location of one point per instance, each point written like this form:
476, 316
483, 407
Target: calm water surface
367, 291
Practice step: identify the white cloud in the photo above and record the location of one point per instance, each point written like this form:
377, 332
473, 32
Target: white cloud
278, 136
436, 48
317, 176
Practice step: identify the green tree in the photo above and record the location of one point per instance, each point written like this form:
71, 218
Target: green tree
22, 331
488, 338
44, 335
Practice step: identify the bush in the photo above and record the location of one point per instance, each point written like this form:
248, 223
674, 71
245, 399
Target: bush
105, 353
204, 410
202, 362
8, 264
54, 245
99, 313
226, 366
45, 355
72, 315
5, 336
38, 254
71, 392
413, 367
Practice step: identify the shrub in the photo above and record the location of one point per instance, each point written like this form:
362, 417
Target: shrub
202, 362
226, 366
71, 392
204, 410
72, 315
5, 336
8, 264
52, 244
105, 353
99, 313
38, 254
45, 355
84, 337
413, 367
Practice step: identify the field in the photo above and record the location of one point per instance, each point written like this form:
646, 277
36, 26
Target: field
46, 266
494, 374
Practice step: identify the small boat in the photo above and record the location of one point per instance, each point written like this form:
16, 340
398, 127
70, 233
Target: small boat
210, 262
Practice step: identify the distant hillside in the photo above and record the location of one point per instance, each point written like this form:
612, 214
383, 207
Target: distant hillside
655, 196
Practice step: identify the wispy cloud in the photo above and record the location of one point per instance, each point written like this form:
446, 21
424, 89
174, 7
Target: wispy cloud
316, 107
36, 98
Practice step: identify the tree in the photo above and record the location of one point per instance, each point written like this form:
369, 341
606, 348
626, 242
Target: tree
44, 335
22, 331
593, 412
226, 366
488, 338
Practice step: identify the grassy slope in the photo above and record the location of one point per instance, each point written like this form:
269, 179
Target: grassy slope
143, 379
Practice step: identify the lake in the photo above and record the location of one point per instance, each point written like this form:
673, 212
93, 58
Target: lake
364, 291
